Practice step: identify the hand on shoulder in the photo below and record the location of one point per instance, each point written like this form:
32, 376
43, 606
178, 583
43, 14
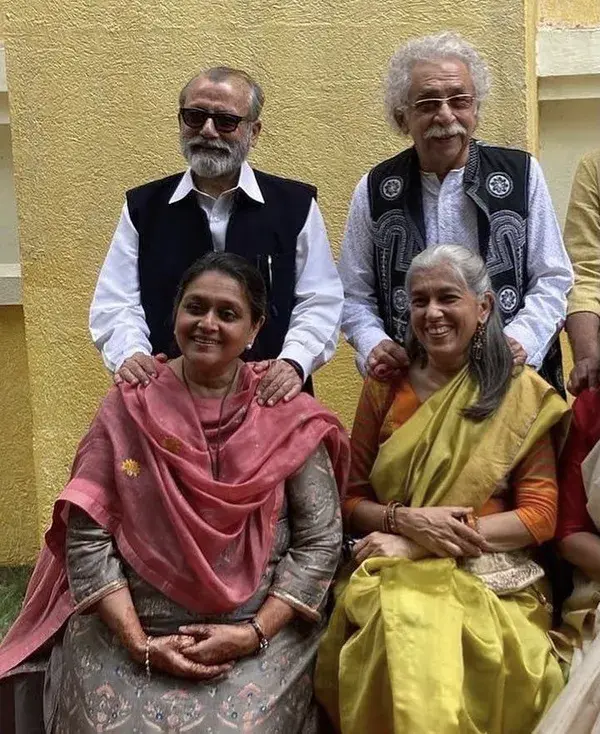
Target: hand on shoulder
386, 361
138, 369
282, 381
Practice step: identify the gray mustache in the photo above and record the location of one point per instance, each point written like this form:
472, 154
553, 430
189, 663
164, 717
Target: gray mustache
205, 144
439, 131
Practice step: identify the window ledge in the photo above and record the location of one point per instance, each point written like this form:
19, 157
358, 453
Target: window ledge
3, 85
568, 52
10, 284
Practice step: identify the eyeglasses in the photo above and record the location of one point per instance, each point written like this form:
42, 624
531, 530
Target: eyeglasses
432, 105
196, 117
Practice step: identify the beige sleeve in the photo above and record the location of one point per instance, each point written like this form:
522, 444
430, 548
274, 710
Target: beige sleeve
582, 235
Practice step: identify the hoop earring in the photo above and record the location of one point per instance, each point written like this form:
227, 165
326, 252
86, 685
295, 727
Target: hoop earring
478, 342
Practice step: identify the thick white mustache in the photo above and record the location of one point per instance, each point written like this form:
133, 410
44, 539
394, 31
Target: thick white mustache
441, 131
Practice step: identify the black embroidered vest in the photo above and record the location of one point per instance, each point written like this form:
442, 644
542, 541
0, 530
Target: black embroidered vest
496, 180
173, 236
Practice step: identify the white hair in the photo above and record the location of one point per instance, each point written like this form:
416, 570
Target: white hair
466, 264
445, 45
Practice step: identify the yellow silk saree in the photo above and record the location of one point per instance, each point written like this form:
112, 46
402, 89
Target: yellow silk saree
425, 646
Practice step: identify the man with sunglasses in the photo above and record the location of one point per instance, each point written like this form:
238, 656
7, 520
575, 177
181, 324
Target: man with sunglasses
220, 203
451, 189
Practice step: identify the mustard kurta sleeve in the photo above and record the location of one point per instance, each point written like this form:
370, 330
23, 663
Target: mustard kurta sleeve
582, 235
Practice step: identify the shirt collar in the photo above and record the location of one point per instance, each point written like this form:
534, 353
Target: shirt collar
453, 179
247, 183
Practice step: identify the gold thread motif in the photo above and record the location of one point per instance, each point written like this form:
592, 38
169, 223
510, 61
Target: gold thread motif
172, 444
131, 468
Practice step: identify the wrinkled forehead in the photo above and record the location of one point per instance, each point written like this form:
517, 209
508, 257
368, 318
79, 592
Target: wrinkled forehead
440, 77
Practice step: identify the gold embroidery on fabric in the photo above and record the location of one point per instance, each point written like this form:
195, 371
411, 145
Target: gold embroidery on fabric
506, 572
172, 444
131, 468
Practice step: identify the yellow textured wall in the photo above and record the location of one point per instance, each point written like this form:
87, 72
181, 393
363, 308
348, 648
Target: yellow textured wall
570, 13
93, 89
18, 499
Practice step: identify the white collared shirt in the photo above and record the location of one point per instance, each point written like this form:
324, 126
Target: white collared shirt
451, 218
117, 320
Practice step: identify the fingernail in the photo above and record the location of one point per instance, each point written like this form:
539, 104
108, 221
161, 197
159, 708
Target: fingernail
271, 402
260, 401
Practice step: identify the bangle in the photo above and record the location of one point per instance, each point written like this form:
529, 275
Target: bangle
384, 521
147, 656
472, 520
389, 522
263, 641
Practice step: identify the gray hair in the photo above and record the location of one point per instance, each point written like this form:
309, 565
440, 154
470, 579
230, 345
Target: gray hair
221, 74
493, 371
445, 45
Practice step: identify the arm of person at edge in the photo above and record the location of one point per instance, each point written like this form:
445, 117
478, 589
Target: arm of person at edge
582, 240
117, 320
531, 522
582, 549
549, 273
303, 573
582, 328
314, 327
577, 535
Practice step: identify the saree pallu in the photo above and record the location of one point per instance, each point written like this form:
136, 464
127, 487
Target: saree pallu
425, 646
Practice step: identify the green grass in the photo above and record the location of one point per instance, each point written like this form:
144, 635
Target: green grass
13, 582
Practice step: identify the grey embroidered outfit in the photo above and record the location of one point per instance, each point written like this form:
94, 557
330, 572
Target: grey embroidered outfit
95, 686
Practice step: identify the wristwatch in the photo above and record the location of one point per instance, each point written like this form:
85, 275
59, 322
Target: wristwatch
263, 642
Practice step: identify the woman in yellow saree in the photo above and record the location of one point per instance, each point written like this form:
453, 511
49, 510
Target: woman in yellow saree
442, 627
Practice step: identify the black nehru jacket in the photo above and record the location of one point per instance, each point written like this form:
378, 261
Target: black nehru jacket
173, 236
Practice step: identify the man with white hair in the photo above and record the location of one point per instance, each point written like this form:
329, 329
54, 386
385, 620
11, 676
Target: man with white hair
220, 203
451, 189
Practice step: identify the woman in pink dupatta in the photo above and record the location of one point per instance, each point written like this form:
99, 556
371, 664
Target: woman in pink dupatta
182, 584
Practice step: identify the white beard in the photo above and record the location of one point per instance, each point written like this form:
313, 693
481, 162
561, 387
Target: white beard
226, 158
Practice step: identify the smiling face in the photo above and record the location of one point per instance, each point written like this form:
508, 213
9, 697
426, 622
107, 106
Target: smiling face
441, 136
213, 323
444, 315
211, 153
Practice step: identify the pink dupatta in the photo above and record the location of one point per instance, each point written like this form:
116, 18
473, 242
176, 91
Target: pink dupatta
143, 472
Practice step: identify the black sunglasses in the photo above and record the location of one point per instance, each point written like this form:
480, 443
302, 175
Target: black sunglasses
196, 118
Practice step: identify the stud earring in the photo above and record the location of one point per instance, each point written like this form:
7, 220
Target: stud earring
249, 346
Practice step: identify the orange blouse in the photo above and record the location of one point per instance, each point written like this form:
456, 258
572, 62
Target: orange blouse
384, 407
